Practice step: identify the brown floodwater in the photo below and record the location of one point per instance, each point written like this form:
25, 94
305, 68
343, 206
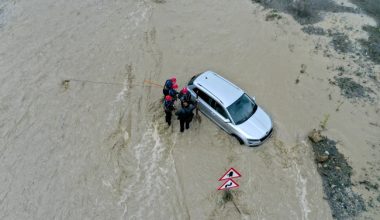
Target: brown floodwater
83, 137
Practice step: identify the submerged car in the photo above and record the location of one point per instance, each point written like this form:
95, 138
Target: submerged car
230, 108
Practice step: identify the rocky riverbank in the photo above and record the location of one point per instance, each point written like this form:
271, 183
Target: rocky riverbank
336, 176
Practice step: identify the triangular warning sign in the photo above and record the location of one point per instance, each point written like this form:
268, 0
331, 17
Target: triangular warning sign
229, 184
231, 173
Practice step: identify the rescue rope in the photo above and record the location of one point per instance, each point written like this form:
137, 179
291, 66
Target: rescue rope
67, 81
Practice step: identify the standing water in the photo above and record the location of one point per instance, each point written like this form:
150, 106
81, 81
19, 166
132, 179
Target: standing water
83, 137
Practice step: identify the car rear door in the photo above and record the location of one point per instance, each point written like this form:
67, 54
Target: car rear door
203, 100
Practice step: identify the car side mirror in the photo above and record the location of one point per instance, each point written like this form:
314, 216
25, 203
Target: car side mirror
254, 98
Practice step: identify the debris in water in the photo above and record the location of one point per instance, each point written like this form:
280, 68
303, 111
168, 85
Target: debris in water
338, 107
65, 84
323, 123
159, 1
303, 68
272, 15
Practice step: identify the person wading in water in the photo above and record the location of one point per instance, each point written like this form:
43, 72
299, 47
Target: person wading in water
169, 85
185, 115
168, 108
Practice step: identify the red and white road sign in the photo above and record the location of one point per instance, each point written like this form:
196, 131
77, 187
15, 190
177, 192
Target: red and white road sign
231, 173
229, 184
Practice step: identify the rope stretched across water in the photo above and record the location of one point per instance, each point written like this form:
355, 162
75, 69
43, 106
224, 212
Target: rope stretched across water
95, 82
110, 83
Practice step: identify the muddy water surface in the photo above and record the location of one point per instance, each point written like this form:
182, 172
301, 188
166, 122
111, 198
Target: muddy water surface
96, 145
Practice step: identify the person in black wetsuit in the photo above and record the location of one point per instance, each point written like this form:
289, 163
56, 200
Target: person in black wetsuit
185, 115
168, 108
185, 96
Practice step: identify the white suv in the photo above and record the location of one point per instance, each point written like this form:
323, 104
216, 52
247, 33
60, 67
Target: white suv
230, 108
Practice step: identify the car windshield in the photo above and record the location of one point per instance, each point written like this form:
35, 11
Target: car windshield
242, 109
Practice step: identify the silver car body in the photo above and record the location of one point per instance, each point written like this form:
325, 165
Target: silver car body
216, 97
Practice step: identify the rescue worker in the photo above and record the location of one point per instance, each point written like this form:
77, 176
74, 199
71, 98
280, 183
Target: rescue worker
173, 92
185, 115
169, 85
168, 108
184, 95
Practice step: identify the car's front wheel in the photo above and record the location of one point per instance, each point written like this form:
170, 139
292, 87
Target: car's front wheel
241, 142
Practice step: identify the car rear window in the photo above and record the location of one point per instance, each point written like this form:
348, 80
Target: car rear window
191, 82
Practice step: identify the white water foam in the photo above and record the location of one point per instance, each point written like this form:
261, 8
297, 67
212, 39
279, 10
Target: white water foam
119, 97
302, 192
155, 174
142, 185
135, 19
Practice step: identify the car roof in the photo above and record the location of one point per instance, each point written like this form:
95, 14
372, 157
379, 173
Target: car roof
219, 87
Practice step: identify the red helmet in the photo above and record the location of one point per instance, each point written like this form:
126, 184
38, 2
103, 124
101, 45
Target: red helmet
173, 79
168, 98
175, 86
184, 90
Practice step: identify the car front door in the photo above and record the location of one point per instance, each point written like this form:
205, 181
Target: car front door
220, 116
213, 110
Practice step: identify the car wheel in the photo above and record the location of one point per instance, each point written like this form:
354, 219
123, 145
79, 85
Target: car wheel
241, 142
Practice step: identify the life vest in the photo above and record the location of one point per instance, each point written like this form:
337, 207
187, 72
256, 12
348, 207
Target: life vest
168, 105
185, 97
173, 93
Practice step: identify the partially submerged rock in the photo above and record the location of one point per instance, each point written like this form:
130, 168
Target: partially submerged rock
321, 158
315, 136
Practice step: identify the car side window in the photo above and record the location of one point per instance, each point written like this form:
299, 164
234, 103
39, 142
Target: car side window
202, 95
211, 102
219, 109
